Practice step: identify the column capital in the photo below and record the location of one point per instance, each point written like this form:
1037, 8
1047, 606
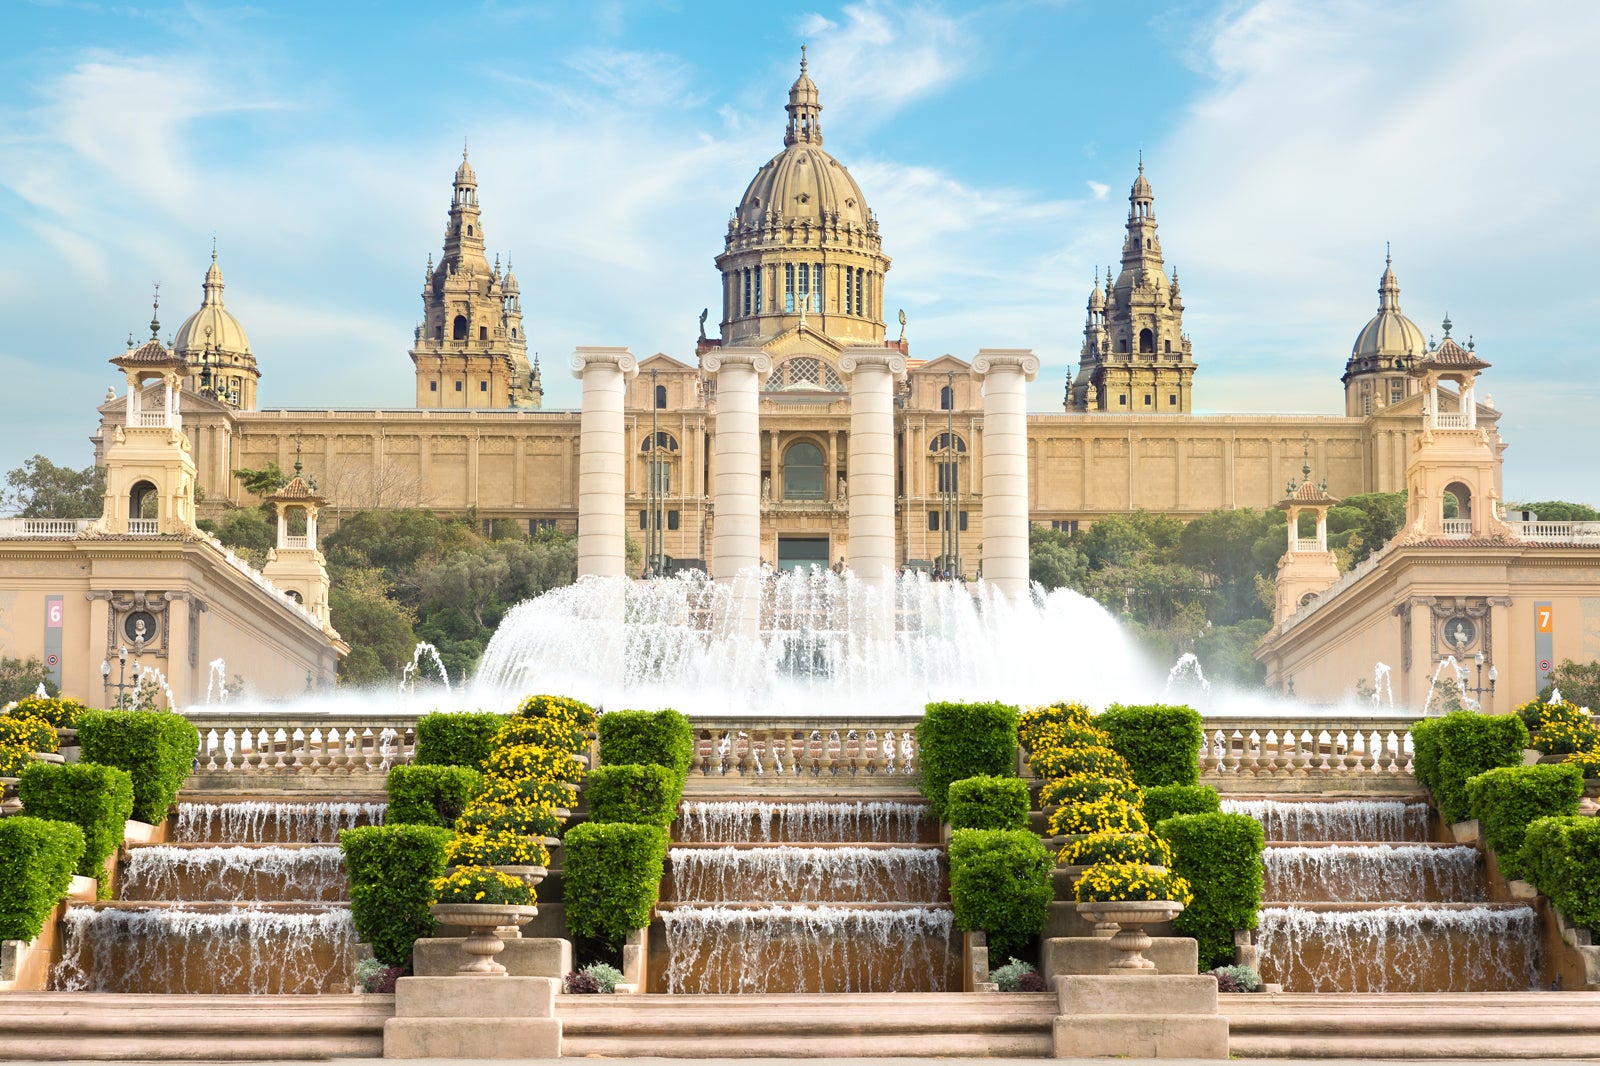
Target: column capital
867, 357
1019, 359
621, 358
755, 358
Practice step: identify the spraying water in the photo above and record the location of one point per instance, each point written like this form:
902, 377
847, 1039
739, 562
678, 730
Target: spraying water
1460, 673
217, 681
1341, 820
732, 821
1373, 874
1382, 686
258, 822
412, 671
807, 875
163, 872
1190, 681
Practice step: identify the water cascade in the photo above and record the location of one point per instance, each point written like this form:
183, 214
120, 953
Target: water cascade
313, 873
1352, 872
807, 897
1386, 821
767, 822
257, 822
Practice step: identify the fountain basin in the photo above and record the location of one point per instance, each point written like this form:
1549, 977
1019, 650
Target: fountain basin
1311, 820
237, 873
764, 821
1373, 873
271, 821
827, 873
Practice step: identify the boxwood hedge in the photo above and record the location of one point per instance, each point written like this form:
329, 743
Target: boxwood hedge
988, 802
456, 738
429, 794
611, 878
1561, 856
1449, 750
1220, 856
391, 868
1163, 801
96, 799
1160, 741
156, 748
638, 794
647, 738
961, 740
1506, 800
1000, 883
37, 857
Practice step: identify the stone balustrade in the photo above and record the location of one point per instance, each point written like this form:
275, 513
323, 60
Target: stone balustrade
1305, 746
313, 744
800, 749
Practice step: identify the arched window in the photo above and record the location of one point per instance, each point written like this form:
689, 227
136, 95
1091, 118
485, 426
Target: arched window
663, 440
942, 442
1461, 496
747, 290
143, 500
661, 397
469, 231
1147, 342
788, 287
802, 472
458, 331
947, 398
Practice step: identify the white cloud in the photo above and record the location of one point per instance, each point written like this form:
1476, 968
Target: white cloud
1098, 190
882, 56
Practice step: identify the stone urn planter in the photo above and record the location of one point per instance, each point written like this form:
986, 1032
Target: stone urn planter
481, 920
1130, 917
528, 875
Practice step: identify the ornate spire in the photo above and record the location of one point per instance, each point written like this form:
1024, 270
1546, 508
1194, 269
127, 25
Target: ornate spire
805, 109
1388, 285
155, 317
213, 282
1447, 324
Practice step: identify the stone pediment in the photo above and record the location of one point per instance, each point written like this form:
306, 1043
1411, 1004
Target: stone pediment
802, 340
942, 365
665, 363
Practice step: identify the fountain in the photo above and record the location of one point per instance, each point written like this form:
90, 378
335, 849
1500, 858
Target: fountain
1460, 673
313, 873
1336, 820
1193, 688
1357, 872
259, 822
807, 875
768, 822
1382, 685
217, 681
410, 673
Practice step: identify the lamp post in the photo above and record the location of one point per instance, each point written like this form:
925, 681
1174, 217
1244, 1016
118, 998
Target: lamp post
1478, 689
950, 488
122, 676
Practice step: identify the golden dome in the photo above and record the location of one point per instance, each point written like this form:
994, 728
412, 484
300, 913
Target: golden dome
1389, 334
212, 324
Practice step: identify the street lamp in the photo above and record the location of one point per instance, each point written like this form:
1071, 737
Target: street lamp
122, 675
1478, 689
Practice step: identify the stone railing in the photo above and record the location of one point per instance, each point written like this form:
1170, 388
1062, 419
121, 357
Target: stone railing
18, 528
1451, 420
1556, 532
802, 749
1458, 528
154, 420
1307, 544
144, 527
306, 743
1305, 746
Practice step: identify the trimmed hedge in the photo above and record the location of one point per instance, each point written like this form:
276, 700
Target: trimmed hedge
635, 794
157, 748
1000, 883
456, 738
1507, 799
646, 738
391, 870
1164, 801
961, 740
611, 878
429, 795
1160, 741
1220, 856
37, 857
988, 802
1449, 750
1561, 856
96, 799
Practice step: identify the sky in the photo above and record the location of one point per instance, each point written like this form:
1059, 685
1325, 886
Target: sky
1287, 142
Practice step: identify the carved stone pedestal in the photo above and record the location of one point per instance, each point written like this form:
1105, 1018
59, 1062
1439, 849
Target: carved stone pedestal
1139, 1016
460, 1017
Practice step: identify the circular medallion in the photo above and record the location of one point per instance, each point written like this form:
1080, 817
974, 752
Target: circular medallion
1460, 632
139, 627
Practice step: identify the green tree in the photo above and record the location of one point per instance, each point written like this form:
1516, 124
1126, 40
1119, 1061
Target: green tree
1579, 682
1234, 547
1364, 523
263, 482
41, 489
378, 629
22, 677
247, 528
1558, 511
1052, 560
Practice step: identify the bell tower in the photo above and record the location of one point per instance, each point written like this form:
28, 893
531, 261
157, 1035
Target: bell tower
1307, 568
1454, 456
296, 564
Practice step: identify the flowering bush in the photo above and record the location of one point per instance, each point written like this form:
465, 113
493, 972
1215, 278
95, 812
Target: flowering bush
60, 712
559, 708
524, 819
1035, 719
1587, 761
1112, 882
14, 757
524, 762
538, 793
496, 849
32, 734
1536, 712
560, 733
1142, 848
1093, 761
1565, 729
480, 884
1083, 788
1104, 815
1067, 735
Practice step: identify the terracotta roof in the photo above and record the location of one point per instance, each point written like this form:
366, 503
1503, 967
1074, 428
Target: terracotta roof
151, 353
297, 489
1452, 355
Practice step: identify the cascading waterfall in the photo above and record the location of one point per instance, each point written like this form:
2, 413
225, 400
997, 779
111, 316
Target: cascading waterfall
180, 950
1340, 820
1344, 872
314, 874
719, 949
1477, 948
807, 875
256, 822
754, 820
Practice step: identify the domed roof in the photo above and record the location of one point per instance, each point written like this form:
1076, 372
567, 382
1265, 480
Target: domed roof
508, 284
464, 173
1389, 333
212, 324
1097, 299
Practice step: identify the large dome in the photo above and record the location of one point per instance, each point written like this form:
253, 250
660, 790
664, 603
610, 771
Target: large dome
1389, 334
803, 183
225, 333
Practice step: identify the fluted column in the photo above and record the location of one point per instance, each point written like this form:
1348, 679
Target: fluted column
602, 542
1005, 374
873, 373
736, 489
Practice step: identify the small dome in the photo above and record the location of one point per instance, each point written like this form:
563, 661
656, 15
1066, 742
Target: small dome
1097, 299
212, 324
464, 173
1141, 186
508, 284
1389, 334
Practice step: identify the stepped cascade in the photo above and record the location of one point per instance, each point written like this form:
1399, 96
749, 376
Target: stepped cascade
807, 897
251, 899
1358, 899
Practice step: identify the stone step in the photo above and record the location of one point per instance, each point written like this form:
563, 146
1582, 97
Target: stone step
791, 1025
60, 1026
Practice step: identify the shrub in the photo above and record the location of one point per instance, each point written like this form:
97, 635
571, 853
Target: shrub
562, 708
37, 857
1051, 763
456, 738
60, 712
988, 803
607, 977
96, 799
1068, 735
1095, 848
581, 983
1124, 882
1507, 799
1536, 712
641, 795
481, 884
961, 740
392, 869
29, 734
429, 795
1587, 762
1010, 976
496, 849
552, 794
1105, 815
1565, 729
157, 749
1000, 883
1220, 856
1562, 858
524, 762
1448, 750
611, 877
641, 738
523, 819
1236, 979
1031, 721
558, 733
1161, 742
374, 976
1082, 788
1163, 801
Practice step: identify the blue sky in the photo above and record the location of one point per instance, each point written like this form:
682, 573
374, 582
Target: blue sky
1287, 141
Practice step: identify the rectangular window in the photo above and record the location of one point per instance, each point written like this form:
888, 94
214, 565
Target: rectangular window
788, 287
1123, 400
816, 287
1147, 399
483, 386
1366, 404
849, 293
1172, 401
535, 525
861, 307
433, 386
963, 521
1397, 391
747, 290
759, 305
672, 519
662, 476
933, 521
644, 519
1065, 525
458, 386
949, 477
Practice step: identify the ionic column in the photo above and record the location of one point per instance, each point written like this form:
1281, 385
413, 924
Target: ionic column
873, 373
736, 487
1005, 374
602, 542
